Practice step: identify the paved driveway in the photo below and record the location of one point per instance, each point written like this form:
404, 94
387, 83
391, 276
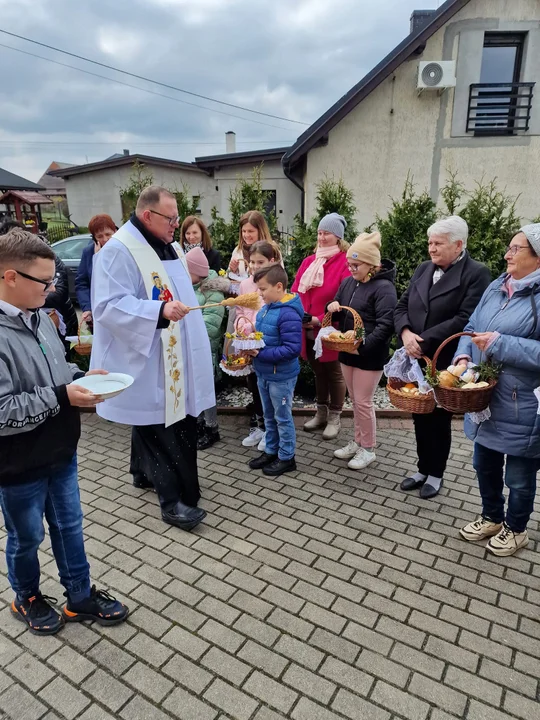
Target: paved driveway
320, 596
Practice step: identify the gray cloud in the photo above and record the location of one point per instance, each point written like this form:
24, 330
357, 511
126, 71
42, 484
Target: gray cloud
289, 59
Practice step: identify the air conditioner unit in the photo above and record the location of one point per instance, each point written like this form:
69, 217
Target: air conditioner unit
436, 75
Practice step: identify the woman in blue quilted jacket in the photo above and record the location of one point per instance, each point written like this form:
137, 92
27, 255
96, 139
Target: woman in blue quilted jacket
277, 367
507, 331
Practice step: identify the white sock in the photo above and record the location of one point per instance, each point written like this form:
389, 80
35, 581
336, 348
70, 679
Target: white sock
435, 482
418, 476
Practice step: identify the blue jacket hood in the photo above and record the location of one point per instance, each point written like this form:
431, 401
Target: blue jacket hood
291, 300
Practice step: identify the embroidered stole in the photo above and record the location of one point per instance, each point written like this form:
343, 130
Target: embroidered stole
158, 287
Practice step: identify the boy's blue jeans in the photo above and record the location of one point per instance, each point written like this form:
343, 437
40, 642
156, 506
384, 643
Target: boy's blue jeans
519, 477
57, 498
277, 397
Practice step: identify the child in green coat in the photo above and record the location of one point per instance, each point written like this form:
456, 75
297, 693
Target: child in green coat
209, 288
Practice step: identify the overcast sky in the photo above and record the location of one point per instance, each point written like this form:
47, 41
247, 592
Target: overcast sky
292, 58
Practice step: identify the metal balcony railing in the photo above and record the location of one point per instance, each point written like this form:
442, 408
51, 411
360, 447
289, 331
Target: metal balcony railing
499, 108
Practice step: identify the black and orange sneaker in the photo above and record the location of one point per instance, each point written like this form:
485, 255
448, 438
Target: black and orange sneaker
100, 606
37, 613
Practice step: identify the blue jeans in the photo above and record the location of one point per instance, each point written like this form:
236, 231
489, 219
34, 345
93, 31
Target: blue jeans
277, 397
57, 498
520, 478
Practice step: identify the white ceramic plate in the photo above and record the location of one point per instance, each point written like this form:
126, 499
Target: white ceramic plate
106, 386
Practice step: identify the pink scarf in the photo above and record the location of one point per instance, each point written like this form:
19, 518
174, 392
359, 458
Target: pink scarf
314, 275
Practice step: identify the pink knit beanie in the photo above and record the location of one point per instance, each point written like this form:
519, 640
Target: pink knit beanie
197, 263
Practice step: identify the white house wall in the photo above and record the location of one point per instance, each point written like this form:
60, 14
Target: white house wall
394, 132
288, 196
99, 191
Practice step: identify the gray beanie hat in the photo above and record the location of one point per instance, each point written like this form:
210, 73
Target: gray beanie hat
334, 224
532, 233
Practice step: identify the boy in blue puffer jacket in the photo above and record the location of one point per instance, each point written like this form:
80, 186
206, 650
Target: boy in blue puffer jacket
277, 367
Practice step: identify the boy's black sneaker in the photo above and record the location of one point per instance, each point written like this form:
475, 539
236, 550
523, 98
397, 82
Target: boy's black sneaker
278, 467
208, 438
262, 461
37, 613
100, 606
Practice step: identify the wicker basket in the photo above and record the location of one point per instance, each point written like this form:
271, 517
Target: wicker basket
348, 346
460, 401
82, 348
229, 362
418, 404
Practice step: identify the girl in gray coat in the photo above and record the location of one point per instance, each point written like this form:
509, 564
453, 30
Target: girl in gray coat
507, 331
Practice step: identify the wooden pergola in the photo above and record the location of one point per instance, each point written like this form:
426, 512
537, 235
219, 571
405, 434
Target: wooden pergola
25, 206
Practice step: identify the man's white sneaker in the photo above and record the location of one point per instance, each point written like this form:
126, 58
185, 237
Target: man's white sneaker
347, 452
362, 459
262, 445
480, 529
507, 542
254, 438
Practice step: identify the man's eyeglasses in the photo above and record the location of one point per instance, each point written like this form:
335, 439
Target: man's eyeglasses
172, 220
48, 284
353, 268
514, 249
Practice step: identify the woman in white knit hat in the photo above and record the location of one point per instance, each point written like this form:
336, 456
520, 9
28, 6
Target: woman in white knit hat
371, 292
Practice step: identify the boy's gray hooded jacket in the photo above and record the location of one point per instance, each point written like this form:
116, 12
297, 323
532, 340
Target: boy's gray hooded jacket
39, 430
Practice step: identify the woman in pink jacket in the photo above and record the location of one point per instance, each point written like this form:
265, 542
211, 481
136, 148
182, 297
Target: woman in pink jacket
317, 282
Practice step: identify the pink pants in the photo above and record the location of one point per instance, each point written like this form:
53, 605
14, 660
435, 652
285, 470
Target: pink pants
361, 385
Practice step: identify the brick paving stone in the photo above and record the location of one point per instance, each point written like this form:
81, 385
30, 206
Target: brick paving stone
522, 707
19, 704
111, 657
270, 692
226, 666
234, 702
72, 664
31, 672
256, 630
308, 710
383, 668
263, 658
183, 671
150, 683
399, 702
357, 709
149, 650
64, 698
186, 706
437, 694
107, 690
185, 642
308, 683
140, 709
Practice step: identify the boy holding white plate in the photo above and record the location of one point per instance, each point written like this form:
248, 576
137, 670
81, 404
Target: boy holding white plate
39, 432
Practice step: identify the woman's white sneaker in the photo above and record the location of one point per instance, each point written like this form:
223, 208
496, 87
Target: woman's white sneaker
347, 452
254, 438
362, 459
262, 445
507, 542
480, 529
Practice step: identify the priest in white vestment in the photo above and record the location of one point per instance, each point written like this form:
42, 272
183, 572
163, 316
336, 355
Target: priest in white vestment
141, 290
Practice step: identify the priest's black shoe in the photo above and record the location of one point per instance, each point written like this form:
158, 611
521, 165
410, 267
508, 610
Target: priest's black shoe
278, 467
209, 437
412, 484
183, 516
139, 481
262, 461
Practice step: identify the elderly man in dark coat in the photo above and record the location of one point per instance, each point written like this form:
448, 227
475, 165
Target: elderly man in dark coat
441, 296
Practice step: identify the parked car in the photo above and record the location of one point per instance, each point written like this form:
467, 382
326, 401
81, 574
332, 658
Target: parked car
70, 251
